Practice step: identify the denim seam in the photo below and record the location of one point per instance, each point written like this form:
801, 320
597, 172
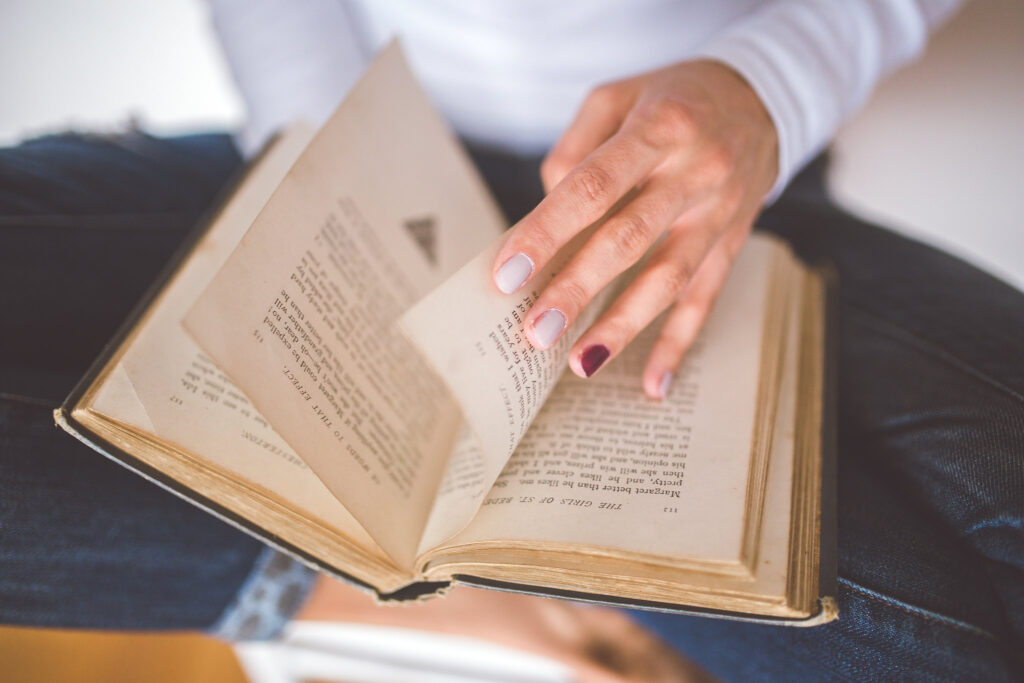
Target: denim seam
915, 610
220, 626
258, 610
897, 333
995, 524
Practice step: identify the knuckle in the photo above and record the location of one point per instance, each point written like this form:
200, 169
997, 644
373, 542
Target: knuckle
574, 295
631, 235
551, 162
541, 239
674, 278
673, 340
697, 307
684, 332
603, 95
592, 185
667, 122
719, 164
720, 218
732, 198
673, 345
553, 167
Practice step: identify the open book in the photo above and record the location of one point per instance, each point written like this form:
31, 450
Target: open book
328, 366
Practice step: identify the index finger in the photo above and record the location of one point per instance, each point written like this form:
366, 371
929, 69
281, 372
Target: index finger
582, 197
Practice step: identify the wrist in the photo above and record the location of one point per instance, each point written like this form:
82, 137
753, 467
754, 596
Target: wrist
742, 98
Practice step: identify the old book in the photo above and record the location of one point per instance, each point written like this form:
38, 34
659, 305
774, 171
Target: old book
327, 366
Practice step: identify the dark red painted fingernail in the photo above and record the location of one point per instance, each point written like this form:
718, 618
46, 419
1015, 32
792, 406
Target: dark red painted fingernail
593, 358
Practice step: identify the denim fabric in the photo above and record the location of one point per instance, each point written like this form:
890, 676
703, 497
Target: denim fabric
930, 426
275, 590
930, 462
930, 471
86, 223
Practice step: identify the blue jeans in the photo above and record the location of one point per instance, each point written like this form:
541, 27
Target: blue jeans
86, 223
930, 425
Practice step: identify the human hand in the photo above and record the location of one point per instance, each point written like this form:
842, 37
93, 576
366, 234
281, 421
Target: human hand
702, 151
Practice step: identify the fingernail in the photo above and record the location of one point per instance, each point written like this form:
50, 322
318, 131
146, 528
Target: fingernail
513, 273
593, 358
665, 384
548, 326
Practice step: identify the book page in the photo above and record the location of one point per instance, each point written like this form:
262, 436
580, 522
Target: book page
472, 334
782, 565
467, 478
165, 386
602, 465
379, 209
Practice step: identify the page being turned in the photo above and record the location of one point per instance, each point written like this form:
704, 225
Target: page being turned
472, 334
380, 208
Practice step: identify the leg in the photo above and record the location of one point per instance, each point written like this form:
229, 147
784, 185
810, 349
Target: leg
931, 473
931, 462
86, 223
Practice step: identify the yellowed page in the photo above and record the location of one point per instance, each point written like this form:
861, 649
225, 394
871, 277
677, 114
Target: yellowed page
603, 465
165, 386
467, 478
379, 209
596, 571
499, 379
772, 562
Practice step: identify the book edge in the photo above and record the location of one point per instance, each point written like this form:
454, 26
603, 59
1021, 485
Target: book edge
827, 605
828, 552
828, 585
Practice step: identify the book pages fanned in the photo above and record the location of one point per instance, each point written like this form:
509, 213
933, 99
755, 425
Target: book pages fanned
328, 366
302, 314
592, 456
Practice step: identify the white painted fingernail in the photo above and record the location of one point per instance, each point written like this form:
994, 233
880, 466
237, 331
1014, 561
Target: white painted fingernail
665, 384
548, 326
513, 273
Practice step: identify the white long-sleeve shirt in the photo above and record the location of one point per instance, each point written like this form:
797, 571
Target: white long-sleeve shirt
512, 73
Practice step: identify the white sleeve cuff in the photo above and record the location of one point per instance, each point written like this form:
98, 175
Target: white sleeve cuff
814, 62
771, 86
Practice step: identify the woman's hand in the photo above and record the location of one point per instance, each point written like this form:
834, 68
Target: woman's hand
699, 146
